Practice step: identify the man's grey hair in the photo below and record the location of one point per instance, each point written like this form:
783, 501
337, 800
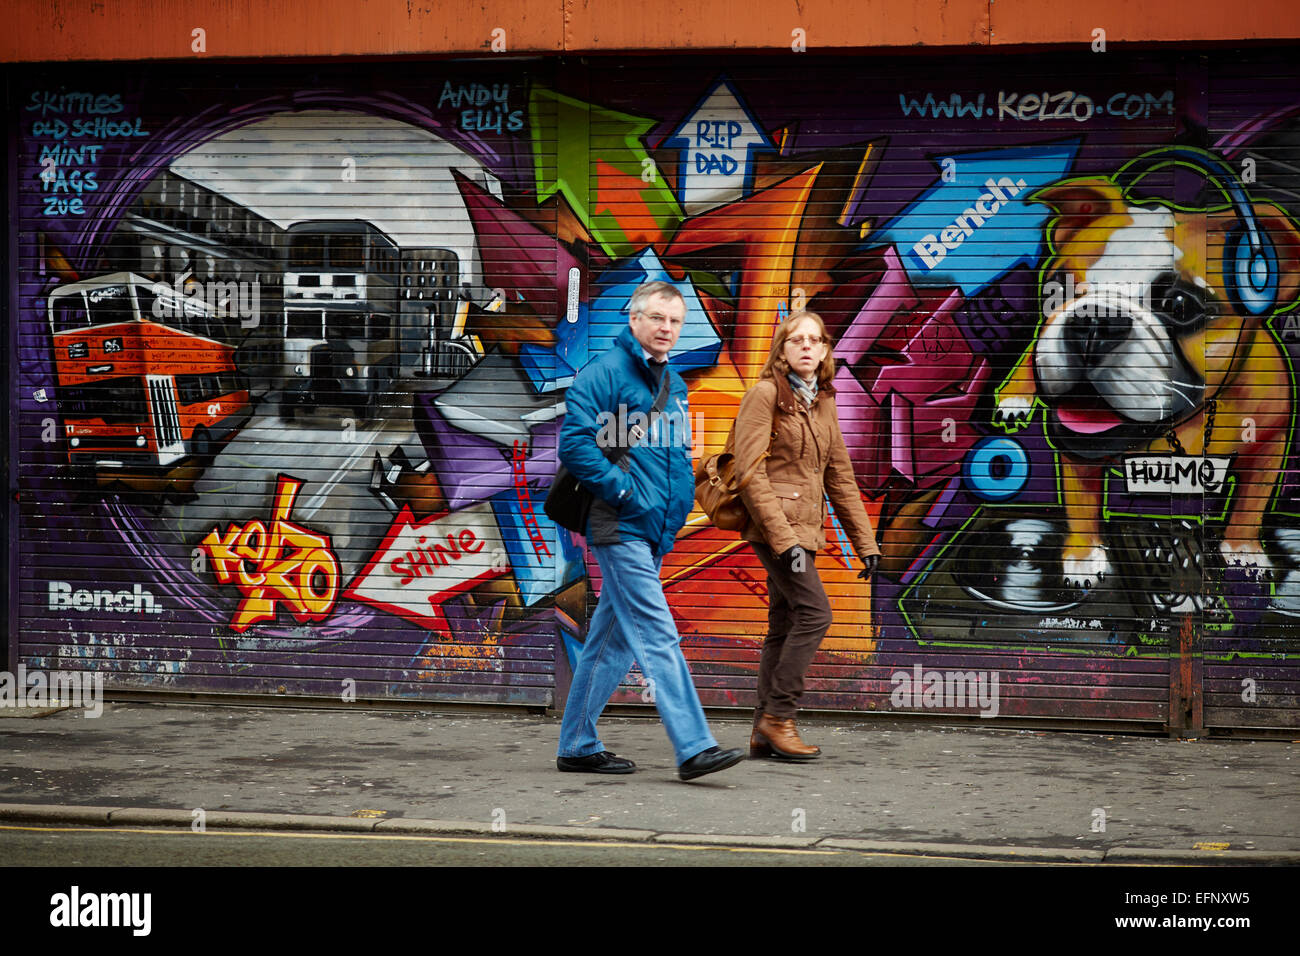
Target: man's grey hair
648, 290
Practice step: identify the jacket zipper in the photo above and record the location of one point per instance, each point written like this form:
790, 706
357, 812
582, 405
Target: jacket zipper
668, 466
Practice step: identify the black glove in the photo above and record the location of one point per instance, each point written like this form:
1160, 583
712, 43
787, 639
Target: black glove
870, 561
794, 560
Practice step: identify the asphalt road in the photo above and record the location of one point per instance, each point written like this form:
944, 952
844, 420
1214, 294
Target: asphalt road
95, 846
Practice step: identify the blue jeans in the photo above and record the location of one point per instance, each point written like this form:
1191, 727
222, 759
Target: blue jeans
632, 621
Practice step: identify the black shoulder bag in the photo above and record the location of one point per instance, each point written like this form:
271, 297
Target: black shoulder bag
568, 503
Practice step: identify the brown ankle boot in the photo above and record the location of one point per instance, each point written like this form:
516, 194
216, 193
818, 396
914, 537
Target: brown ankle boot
783, 738
758, 747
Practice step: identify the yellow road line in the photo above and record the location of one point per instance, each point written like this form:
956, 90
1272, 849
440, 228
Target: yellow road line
535, 841
518, 841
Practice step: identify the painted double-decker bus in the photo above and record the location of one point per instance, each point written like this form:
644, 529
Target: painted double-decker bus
135, 389
341, 334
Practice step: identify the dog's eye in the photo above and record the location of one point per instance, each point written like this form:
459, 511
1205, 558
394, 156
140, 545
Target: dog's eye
1184, 308
1180, 302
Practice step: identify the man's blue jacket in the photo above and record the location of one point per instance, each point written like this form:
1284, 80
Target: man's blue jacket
649, 497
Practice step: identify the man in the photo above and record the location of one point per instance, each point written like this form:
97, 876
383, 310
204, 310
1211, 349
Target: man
639, 506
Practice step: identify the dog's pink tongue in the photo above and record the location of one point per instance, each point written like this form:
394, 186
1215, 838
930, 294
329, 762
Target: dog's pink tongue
1088, 420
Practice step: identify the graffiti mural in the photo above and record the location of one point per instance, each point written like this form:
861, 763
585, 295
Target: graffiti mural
291, 365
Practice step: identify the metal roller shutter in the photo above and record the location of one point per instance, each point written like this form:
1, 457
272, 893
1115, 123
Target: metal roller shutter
273, 430
1251, 621
892, 198
350, 301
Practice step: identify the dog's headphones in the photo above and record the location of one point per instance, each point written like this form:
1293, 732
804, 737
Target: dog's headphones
1250, 272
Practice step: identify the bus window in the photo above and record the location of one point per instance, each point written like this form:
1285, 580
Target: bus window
189, 389
307, 252
379, 327
117, 401
70, 313
347, 252
194, 318
303, 324
195, 389
150, 307
345, 325
110, 304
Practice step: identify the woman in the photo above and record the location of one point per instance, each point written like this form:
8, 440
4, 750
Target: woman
792, 409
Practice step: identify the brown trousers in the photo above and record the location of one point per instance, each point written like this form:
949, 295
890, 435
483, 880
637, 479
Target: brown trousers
798, 616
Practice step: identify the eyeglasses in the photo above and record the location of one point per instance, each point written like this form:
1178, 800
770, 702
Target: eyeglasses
799, 341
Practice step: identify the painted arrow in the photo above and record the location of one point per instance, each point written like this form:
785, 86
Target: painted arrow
909, 383
468, 468
420, 564
496, 400
977, 222
699, 343
517, 255
572, 138
598, 324
544, 559
764, 228
718, 140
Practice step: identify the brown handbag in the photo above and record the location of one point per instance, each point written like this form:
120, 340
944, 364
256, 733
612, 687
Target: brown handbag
718, 489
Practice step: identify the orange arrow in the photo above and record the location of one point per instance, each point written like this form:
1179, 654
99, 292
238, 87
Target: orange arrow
766, 226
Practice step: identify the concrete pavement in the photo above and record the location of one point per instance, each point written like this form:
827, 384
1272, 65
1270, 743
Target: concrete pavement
882, 785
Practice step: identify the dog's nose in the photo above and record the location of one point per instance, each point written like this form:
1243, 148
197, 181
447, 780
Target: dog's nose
1093, 333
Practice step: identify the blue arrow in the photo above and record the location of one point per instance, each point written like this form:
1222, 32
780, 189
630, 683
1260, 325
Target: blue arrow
971, 231
572, 649
550, 369
537, 572
699, 344
599, 323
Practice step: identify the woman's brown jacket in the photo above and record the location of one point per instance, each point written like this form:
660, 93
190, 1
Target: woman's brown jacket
808, 461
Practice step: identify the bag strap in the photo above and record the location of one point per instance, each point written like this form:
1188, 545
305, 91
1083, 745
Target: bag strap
731, 443
657, 409
637, 432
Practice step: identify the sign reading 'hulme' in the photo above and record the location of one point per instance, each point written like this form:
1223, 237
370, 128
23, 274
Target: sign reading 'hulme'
1174, 474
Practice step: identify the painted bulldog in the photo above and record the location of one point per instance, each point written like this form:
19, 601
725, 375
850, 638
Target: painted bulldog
1143, 349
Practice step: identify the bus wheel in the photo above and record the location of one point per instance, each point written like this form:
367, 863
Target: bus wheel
201, 444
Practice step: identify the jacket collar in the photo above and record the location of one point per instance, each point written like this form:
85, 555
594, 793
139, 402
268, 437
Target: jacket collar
785, 397
628, 343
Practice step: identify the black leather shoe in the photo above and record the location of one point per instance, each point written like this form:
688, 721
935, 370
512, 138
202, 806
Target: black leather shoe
709, 761
603, 762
